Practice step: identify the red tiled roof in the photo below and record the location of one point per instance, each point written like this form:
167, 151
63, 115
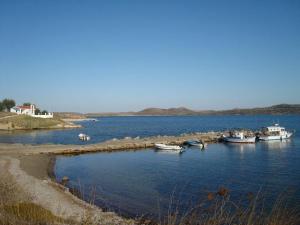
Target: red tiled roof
23, 107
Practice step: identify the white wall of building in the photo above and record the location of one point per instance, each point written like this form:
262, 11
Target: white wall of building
30, 112
46, 116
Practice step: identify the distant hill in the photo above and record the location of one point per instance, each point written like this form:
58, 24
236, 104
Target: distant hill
276, 109
170, 111
181, 111
272, 110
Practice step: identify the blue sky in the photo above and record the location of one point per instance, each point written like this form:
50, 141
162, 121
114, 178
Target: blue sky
100, 56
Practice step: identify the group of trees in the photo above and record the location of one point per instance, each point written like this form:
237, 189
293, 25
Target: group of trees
38, 111
6, 104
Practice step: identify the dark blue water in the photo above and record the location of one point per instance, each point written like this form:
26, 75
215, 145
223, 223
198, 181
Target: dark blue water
119, 127
142, 182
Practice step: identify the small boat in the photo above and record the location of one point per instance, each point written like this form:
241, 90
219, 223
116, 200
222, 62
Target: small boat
274, 132
195, 143
168, 147
172, 151
239, 137
84, 137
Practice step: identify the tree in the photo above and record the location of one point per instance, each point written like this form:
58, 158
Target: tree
44, 112
37, 111
26, 104
8, 103
1, 107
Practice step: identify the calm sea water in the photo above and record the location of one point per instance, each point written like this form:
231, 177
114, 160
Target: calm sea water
142, 182
119, 127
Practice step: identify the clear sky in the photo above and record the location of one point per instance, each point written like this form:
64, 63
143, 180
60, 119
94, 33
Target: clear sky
100, 56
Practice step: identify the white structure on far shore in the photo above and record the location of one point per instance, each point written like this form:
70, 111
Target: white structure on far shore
30, 111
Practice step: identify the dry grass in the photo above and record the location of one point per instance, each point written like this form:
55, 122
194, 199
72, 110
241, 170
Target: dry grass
28, 122
28, 213
16, 207
218, 209
4, 114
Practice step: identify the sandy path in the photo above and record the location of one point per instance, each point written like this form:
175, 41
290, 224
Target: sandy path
53, 197
5, 117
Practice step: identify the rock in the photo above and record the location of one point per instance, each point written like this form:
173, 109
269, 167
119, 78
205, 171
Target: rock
223, 191
65, 179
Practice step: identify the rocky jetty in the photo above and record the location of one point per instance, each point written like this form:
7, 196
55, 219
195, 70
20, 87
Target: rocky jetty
128, 143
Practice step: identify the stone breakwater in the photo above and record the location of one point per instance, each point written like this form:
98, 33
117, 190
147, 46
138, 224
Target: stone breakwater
127, 143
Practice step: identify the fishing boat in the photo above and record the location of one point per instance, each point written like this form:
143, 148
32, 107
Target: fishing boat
84, 137
195, 143
239, 137
274, 132
168, 147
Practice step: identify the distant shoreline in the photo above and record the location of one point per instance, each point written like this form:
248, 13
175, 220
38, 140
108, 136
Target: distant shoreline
79, 120
282, 109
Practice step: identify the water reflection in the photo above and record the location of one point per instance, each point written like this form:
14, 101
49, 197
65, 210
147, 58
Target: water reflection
277, 144
242, 147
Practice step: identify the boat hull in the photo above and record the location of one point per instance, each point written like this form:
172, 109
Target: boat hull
170, 151
240, 141
197, 145
275, 137
167, 147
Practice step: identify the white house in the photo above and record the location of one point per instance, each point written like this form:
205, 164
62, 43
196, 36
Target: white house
30, 111
27, 110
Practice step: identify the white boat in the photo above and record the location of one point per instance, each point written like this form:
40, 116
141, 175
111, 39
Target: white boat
168, 147
274, 132
195, 143
239, 137
172, 151
84, 137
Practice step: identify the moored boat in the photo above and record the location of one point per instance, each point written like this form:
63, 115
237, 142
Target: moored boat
239, 137
195, 143
172, 151
274, 132
84, 137
168, 147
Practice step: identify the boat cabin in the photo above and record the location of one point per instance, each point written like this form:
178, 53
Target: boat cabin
235, 134
276, 129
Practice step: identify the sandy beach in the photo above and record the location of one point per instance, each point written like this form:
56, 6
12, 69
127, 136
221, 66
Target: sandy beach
30, 172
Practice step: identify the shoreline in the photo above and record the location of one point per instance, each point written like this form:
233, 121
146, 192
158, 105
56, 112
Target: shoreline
33, 168
80, 120
31, 174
